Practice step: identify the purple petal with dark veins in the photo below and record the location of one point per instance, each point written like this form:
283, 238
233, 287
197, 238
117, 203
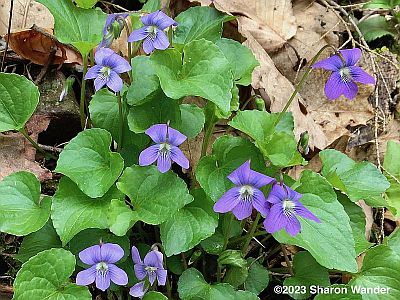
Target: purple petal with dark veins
178, 157
91, 255
86, 277
149, 155
114, 82
117, 275
228, 201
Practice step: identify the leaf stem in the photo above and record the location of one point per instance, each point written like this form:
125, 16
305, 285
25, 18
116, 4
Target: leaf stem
250, 233
300, 84
210, 124
121, 123
35, 145
83, 91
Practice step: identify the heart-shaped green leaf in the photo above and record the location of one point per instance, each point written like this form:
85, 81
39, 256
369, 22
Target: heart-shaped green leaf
18, 101
21, 209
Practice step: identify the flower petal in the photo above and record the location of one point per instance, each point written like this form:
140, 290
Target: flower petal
152, 277
161, 41
351, 56
111, 253
175, 137
243, 210
334, 86
148, 46
117, 63
86, 277
117, 275
351, 90
259, 180
91, 255
164, 162
138, 290
115, 82
158, 133
293, 226
140, 271
293, 195
260, 203
154, 259
359, 75
102, 54
138, 34
228, 201
99, 82
148, 19
103, 280
178, 157
333, 63
149, 155
136, 255
162, 21
276, 219
161, 277
278, 193
241, 175
304, 212
93, 72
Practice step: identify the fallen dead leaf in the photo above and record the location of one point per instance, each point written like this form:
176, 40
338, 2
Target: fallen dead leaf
26, 13
37, 44
270, 22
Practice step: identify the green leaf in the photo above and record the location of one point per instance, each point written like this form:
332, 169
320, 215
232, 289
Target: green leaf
307, 272
357, 223
90, 237
199, 22
258, 277
18, 101
104, 113
358, 181
151, 192
43, 239
86, 3
393, 240
375, 27
21, 209
392, 171
278, 143
154, 296
228, 154
46, 276
381, 269
190, 225
191, 285
236, 276
385, 4
232, 258
145, 83
79, 27
192, 120
73, 211
151, 6
88, 161
333, 253
121, 217
241, 59
204, 72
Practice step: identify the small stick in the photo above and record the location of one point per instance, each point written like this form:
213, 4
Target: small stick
8, 35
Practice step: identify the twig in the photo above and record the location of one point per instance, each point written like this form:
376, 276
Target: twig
50, 148
6, 289
287, 260
8, 35
116, 6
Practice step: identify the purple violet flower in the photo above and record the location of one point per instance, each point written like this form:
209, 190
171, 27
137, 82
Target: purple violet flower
246, 194
102, 259
138, 290
166, 148
153, 31
108, 65
152, 266
344, 74
285, 209
112, 29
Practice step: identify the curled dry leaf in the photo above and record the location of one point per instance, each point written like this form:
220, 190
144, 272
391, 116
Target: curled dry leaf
271, 22
26, 13
37, 45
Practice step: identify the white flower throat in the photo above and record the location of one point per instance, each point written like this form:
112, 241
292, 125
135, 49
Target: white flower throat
246, 192
288, 206
345, 74
105, 71
152, 31
165, 147
102, 267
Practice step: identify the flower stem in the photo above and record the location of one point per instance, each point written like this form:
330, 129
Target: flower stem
121, 123
226, 239
300, 84
35, 145
250, 233
210, 124
83, 91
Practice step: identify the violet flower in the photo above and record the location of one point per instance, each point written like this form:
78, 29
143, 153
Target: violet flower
166, 148
246, 194
112, 29
285, 209
102, 259
152, 266
138, 290
345, 74
108, 65
153, 31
